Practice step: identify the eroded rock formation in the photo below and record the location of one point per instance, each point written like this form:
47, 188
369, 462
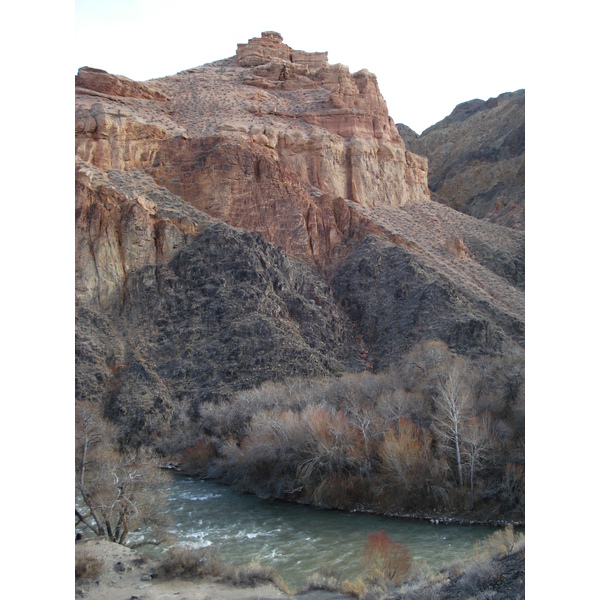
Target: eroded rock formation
259, 218
262, 141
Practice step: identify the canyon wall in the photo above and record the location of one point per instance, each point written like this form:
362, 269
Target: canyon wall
266, 140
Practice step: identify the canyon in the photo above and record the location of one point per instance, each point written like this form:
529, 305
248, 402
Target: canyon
259, 218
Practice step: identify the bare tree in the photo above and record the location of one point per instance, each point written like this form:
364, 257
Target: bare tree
116, 493
477, 444
453, 406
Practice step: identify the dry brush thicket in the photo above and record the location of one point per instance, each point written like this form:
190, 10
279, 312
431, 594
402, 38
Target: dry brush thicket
116, 490
184, 562
437, 433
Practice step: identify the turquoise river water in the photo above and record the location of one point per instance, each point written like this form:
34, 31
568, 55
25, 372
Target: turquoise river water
297, 539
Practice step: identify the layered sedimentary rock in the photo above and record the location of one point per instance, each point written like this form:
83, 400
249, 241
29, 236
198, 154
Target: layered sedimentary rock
174, 307
262, 141
477, 158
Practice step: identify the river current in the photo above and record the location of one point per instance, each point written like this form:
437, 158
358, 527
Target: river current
297, 539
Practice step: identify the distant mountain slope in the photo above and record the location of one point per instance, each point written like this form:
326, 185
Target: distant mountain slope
477, 158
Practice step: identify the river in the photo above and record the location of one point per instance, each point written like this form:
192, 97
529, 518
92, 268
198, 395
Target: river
297, 539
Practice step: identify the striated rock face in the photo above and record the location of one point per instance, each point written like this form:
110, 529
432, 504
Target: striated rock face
123, 222
258, 140
477, 158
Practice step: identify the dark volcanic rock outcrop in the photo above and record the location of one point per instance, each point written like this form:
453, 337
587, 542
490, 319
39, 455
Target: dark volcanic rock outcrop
232, 310
397, 300
174, 308
477, 158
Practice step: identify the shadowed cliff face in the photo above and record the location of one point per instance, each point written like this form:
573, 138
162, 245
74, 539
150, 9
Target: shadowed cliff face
477, 158
259, 218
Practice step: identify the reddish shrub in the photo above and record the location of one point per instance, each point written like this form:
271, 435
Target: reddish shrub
194, 460
384, 558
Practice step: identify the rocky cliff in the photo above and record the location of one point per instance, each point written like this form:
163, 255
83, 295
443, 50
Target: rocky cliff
259, 218
262, 141
477, 158
175, 307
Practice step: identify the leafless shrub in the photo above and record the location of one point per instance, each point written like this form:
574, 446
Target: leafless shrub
254, 573
478, 443
356, 588
117, 492
500, 543
87, 566
423, 591
327, 577
407, 463
513, 486
291, 452
477, 575
184, 562
386, 560
340, 441
456, 247
195, 460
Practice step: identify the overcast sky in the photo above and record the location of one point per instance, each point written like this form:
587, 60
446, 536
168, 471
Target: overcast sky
428, 56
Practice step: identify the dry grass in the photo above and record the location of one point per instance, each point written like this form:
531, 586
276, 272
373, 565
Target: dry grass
500, 543
197, 563
184, 562
327, 577
254, 573
356, 588
87, 566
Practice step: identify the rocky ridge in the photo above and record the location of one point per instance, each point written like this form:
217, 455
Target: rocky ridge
434, 273
477, 158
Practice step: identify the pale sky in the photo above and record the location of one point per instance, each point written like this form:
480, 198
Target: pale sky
428, 56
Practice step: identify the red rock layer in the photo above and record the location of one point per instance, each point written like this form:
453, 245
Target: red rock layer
265, 141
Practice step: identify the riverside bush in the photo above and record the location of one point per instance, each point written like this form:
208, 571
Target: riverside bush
195, 460
186, 562
386, 560
87, 566
391, 441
